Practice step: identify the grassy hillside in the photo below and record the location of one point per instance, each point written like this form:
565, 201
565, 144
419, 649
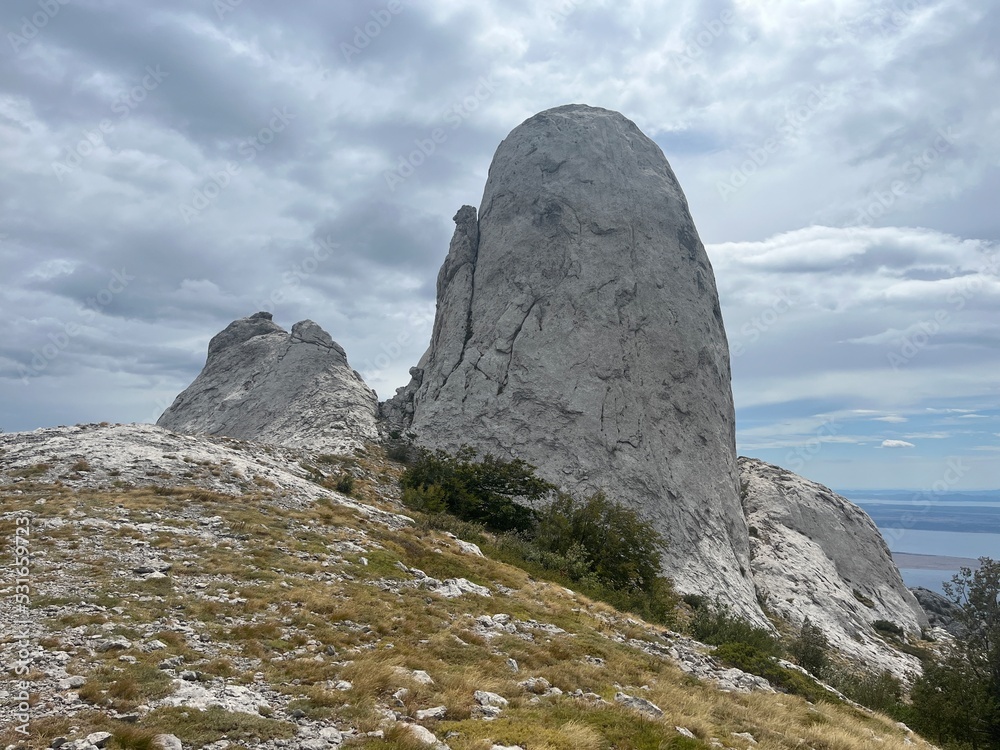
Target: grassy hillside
264, 621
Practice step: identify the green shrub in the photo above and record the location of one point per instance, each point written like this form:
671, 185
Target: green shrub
655, 605
754, 660
600, 547
492, 491
618, 546
426, 499
810, 649
573, 564
694, 601
441, 521
345, 484
878, 691
715, 625
400, 451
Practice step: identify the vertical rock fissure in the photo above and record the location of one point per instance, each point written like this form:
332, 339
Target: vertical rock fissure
513, 342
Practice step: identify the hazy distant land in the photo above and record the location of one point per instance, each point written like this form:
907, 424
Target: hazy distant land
932, 562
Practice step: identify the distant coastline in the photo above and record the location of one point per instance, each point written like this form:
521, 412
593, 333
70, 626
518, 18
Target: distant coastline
915, 561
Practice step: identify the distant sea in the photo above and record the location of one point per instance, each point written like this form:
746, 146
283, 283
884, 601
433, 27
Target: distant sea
929, 527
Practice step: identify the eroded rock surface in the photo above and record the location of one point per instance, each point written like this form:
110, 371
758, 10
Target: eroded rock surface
578, 327
815, 554
265, 384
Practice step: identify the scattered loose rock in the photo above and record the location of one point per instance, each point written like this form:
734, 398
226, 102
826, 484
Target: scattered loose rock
641, 705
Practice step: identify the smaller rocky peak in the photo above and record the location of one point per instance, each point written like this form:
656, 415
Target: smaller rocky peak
308, 332
464, 244
815, 554
264, 384
244, 329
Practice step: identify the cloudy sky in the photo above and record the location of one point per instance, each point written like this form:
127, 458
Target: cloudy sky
169, 166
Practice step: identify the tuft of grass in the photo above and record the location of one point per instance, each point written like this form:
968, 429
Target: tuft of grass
31, 471
197, 728
863, 599
124, 687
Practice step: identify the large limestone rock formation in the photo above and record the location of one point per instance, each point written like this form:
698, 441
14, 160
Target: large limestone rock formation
815, 554
265, 384
578, 327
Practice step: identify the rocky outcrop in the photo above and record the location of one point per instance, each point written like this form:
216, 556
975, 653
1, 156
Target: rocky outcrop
265, 384
941, 611
578, 327
815, 554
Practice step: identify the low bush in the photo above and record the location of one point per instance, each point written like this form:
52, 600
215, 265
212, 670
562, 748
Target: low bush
602, 548
621, 549
888, 628
756, 661
716, 625
810, 649
492, 491
878, 691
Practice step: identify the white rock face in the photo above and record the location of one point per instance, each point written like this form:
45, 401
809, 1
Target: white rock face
578, 328
815, 554
262, 383
143, 455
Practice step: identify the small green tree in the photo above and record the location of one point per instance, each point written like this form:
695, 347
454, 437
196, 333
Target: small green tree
958, 696
810, 648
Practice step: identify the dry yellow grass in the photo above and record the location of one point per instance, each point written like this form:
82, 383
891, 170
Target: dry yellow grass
330, 618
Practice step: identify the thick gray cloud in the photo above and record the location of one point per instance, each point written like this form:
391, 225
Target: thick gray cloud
170, 166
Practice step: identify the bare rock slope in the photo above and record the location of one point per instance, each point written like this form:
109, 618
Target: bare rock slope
265, 384
815, 554
578, 327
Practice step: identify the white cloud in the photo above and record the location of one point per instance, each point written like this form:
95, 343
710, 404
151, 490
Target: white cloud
897, 444
892, 419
